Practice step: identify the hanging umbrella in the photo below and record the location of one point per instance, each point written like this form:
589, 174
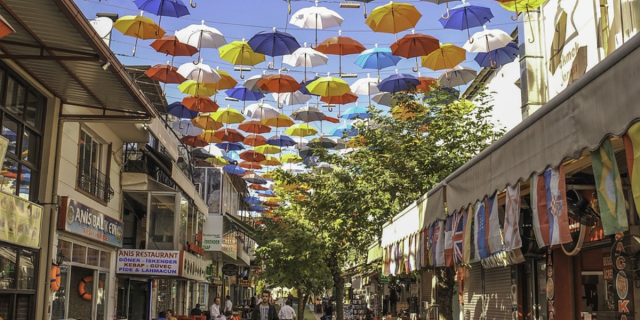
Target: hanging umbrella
521, 6
377, 58
163, 8
364, 3
328, 86
230, 146
321, 142
201, 73
457, 76
261, 111
307, 152
209, 136
356, 112
425, 83
415, 45
257, 208
197, 89
258, 187
251, 83
291, 98
254, 126
270, 161
256, 179
345, 130
138, 27
229, 135
278, 83
446, 16
331, 119
398, 82
252, 200
308, 114
305, 57
500, 56
343, 99
293, 168
393, 17
488, 40
5, 28
170, 45
446, 57
250, 165
206, 122
304, 84
186, 128
200, 104
201, 36
252, 156
178, 110
193, 141
341, 46
243, 94
365, 86
201, 153
273, 43
254, 140
165, 73
316, 18
301, 130
226, 81
228, 116
383, 98
280, 121
267, 149
466, 16
301, 143
281, 141
239, 53
291, 158
233, 169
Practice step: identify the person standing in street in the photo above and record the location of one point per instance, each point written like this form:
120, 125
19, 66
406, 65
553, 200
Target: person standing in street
228, 305
286, 312
265, 310
328, 311
214, 310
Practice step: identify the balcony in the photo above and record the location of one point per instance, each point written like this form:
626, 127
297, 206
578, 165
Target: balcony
94, 182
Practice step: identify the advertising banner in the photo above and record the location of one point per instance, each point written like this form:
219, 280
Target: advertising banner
230, 245
212, 233
149, 262
192, 267
75, 217
20, 221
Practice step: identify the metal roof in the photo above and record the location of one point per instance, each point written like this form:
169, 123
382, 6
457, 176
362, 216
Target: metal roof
57, 46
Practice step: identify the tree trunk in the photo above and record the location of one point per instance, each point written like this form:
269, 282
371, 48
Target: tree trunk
445, 292
338, 285
301, 299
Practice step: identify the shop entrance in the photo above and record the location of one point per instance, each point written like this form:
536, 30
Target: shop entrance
535, 301
133, 299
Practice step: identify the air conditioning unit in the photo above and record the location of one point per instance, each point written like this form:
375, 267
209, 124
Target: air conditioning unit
349, 4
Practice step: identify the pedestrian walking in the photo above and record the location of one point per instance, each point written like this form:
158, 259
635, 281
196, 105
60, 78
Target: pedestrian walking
265, 310
228, 305
287, 312
328, 311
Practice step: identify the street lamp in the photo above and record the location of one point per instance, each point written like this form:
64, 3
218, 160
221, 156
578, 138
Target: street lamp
59, 258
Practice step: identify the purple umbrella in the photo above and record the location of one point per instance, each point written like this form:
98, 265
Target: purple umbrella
398, 82
273, 43
281, 141
168, 8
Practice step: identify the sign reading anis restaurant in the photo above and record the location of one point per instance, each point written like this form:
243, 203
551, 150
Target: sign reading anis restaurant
75, 217
161, 263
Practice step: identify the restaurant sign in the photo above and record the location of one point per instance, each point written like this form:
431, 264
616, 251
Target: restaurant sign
149, 262
192, 267
75, 217
20, 221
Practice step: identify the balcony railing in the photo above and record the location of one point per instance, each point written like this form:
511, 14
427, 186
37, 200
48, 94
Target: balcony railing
94, 182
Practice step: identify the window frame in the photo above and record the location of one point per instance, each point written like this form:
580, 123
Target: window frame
104, 164
15, 293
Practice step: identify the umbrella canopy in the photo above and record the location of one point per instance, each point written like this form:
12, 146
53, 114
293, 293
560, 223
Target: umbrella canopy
201, 36
251, 83
498, 57
254, 140
197, 89
343, 99
230, 146
254, 178
165, 73
301, 130
365, 86
281, 141
291, 158
278, 83
316, 18
217, 152
273, 43
167, 8
377, 58
138, 27
229, 135
341, 46
209, 136
252, 200
308, 114
344, 130
487, 40
206, 122
250, 165
446, 57
293, 168
170, 45
226, 81
243, 94
267, 149
254, 126
301, 143
280, 121
257, 208
383, 98
261, 111
178, 110
291, 98
466, 16
252, 156
398, 82
304, 84
239, 53
415, 45
457, 76
328, 86
270, 161
393, 17
258, 187
331, 119
356, 112
425, 83
321, 142
201, 153
186, 128
200, 104
217, 161
233, 169
194, 141
305, 57
228, 115
521, 5
201, 73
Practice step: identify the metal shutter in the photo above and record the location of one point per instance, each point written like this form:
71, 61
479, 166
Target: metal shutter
497, 293
426, 289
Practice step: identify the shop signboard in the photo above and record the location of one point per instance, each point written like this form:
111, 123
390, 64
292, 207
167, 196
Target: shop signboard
192, 267
230, 269
230, 245
20, 221
245, 283
212, 233
75, 217
149, 262
384, 279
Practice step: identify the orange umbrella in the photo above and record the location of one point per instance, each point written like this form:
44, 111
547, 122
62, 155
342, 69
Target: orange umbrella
254, 140
250, 165
258, 187
230, 135
5, 28
425, 83
271, 204
170, 45
343, 99
331, 119
341, 46
165, 73
415, 45
206, 122
252, 156
254, 126
194, 141
209, 136
200, 104
248, 173
279, 83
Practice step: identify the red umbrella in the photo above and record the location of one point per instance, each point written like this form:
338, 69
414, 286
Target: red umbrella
415, 45
425, 84
252, 156
170, 45
270, 204
343, 99
258, 187
341, 46
254, 126
230, 135
279, 83
255, 140
250, 165
165, 73
200, 104
331, 119
194, 141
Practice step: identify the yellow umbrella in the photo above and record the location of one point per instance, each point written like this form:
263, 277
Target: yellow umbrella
239, 53
267, 149
328, 87
301, 130
522, 6
226, 81
291, 158
193, 88
393, 17
270, 161
217, 161
228, 115
138, 27
209, 136
206, 122
269, 174
281, 121
446, 57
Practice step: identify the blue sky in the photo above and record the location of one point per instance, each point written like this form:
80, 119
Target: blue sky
238, 19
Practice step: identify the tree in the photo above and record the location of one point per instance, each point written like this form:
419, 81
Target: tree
395, 159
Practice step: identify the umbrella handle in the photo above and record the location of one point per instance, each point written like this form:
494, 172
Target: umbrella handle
417, 67
193, 4
365, 10
533, 36
271, 65
515, 18
447, 16
289, 6
330, 109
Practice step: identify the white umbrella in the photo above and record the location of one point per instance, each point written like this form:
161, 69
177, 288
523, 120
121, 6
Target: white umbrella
365, 86
261, 111
308, 114
186, 128
487, 40
316, 18
291, 98
302, 142
305, 57
201, 36
293, 168
457, 76
383, 98
216, 152
200, 73
252, 82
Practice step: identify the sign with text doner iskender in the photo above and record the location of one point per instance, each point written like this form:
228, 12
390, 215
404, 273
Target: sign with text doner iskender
75, 217
148, 262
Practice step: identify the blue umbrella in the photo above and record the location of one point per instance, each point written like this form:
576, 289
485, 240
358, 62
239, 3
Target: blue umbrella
233, 169
179, 110
466, 16
258, 208
252, 200
281, 141
266, 193
377, 58
304, 84
398, 82
344, 130
243, 94
230, 146
498, 57
168, 8
273, 43
356, 112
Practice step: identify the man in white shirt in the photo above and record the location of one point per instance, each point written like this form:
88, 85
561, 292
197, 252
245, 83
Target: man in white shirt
228, 305
214, 310
286, 312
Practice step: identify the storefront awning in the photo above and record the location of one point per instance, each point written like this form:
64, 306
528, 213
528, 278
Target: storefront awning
374, 253
243, 226
133, 181
603, 102
402, 225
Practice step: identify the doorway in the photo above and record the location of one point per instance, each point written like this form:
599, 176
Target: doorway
535, 294
133, 299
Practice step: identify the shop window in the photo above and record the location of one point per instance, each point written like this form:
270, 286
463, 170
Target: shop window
93, 256
79, 254
27, 279
15, 97
94, 166
7, 268
59, 303
64, 247
17, 282
162, 217
105, 259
